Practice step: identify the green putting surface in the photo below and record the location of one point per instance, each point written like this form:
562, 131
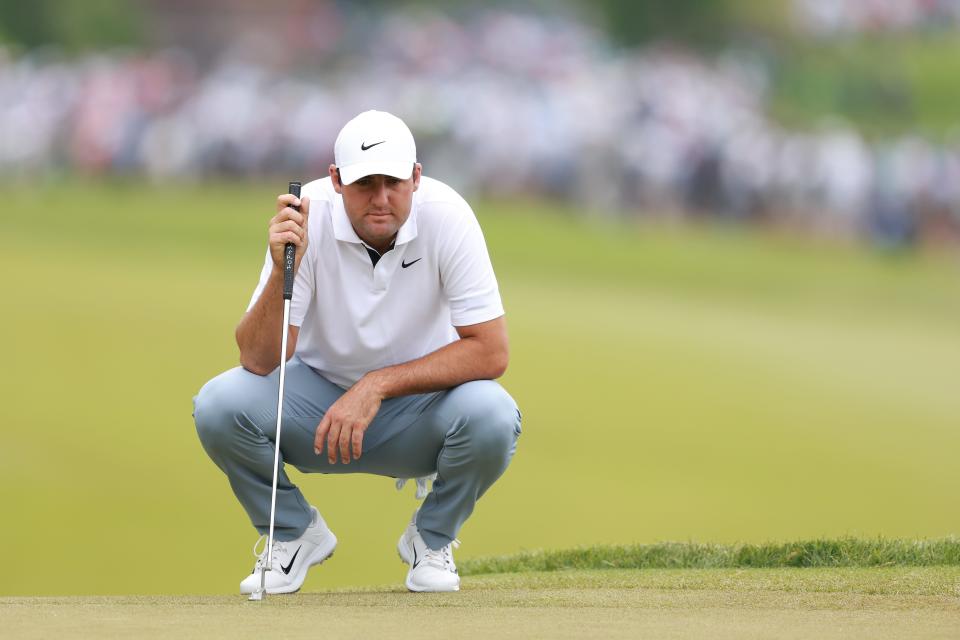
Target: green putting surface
677, 383
688, 603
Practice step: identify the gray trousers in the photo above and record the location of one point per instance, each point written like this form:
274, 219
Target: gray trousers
466, 435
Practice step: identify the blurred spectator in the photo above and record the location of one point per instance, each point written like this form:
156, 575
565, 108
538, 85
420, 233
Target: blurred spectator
516, 104
829, 17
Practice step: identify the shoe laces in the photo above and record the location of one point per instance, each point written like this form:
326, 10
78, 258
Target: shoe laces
442, 558
422, 490
261, 556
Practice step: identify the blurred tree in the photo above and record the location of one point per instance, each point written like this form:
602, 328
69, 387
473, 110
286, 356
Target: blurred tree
707, 23
73, 25
633, 22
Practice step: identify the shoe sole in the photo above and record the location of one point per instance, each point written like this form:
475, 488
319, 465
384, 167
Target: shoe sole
324, 553
414, 588
401, 548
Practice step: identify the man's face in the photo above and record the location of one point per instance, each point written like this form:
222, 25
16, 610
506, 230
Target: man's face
377, 205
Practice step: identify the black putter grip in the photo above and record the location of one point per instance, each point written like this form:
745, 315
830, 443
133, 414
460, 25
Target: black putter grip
289, 253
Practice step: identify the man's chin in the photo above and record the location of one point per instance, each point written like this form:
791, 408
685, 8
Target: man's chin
378, 234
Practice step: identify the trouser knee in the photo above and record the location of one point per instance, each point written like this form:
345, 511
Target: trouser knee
489, 421
218, 413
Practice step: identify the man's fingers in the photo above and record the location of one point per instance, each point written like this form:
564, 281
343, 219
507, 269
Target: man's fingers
357, 438
345, 445
288, 225
292, 214
286, 237
321, 435
333, 437
288, 214
287, 200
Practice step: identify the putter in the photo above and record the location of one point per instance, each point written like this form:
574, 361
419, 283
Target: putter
289, 253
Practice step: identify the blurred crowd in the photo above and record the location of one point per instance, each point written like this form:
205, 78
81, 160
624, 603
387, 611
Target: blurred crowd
514, 104
827, 17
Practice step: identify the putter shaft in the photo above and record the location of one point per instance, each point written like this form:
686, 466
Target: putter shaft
258, 595
289, 259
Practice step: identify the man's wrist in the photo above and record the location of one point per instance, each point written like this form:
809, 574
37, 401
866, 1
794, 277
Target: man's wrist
375, 382
276, 274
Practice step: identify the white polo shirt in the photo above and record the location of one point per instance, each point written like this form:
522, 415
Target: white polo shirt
354, 317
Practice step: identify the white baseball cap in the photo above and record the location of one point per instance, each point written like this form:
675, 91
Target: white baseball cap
374, 142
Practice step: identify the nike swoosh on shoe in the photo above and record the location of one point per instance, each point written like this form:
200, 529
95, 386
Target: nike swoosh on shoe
286, 569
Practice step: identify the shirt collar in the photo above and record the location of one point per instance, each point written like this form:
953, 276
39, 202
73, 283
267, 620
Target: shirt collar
342, 229
408, 230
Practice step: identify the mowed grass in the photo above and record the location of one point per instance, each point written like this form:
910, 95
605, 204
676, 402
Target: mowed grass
700, 384
892, 603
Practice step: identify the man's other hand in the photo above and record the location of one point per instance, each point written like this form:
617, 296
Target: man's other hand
344, 424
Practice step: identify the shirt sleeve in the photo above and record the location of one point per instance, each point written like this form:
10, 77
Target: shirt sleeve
302, 285
466, 273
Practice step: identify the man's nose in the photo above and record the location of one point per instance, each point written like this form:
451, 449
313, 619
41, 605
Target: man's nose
380, 193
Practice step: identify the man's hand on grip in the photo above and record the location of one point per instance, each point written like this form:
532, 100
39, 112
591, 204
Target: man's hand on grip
289, 226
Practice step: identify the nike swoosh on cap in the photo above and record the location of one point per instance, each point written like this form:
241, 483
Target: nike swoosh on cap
286, 569
364, 147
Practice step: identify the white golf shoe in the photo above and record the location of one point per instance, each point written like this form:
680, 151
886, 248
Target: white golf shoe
430, 569
292, 559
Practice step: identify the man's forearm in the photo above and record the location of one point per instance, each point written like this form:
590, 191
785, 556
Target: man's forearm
258, 334
467, 359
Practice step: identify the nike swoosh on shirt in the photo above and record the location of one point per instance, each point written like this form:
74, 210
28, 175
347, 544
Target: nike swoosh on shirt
407, 264
286, 569
364, 147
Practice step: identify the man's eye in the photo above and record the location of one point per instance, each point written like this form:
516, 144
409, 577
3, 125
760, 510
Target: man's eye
393, 182
364, 182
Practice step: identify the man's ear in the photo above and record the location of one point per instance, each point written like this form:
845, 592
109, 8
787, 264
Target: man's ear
335, 178
417, 170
